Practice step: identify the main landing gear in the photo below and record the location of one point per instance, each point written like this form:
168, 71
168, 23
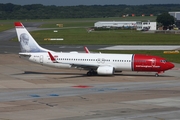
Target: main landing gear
91, 73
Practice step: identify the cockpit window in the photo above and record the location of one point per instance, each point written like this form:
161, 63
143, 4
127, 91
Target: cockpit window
163, 61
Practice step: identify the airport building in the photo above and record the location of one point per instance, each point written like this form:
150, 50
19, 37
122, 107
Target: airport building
175, 14
177, 18
146, 26
126, 24
114, 24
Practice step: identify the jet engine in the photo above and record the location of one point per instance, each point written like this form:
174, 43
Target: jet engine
105, 70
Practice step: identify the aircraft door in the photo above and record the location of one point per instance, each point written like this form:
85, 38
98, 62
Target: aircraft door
41, 59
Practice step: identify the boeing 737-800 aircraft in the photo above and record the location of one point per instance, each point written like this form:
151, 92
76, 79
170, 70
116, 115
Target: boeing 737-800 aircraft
101, 64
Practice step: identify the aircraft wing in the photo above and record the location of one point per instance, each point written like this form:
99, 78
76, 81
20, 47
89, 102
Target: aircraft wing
84, 66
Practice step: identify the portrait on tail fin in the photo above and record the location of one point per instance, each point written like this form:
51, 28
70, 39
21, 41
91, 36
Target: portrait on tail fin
27, 45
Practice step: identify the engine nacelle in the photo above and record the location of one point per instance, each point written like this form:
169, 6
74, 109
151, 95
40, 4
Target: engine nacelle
105, 70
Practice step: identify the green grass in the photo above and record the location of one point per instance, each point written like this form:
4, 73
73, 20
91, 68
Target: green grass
6, 26
170, 57
80, 36
68, 24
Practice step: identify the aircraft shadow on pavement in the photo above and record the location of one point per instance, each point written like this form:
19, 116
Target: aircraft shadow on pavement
141, 75
71, 75
74, 75
51, 73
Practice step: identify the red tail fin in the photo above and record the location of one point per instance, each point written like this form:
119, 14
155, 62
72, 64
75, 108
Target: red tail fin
86, 49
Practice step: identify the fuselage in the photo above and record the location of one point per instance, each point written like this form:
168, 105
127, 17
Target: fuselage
120, 62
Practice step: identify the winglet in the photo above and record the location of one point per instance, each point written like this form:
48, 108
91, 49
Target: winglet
86, 49
52, 58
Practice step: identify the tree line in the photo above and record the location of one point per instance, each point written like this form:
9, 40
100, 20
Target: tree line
39, 11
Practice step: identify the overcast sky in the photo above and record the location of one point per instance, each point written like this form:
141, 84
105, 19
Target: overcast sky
90, 2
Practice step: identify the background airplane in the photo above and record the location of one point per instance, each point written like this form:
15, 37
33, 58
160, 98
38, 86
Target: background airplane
101, 64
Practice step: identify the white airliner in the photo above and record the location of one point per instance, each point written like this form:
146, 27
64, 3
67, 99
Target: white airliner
101, 64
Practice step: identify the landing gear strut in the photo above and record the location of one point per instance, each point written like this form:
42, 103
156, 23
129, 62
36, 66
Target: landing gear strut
91, 73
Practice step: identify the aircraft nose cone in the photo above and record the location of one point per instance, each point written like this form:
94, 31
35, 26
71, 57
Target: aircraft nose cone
171, 65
